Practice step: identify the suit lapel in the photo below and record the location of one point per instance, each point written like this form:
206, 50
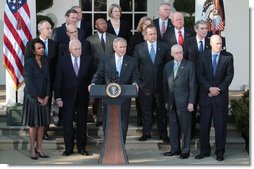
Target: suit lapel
123, 68
180, 69
209, 62
147, 54
219, 64
71, 66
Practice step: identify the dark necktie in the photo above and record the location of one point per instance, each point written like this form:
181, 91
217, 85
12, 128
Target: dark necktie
214, 63
180, 38
201, 47
163, 29
75, 66
102, 42
152, 53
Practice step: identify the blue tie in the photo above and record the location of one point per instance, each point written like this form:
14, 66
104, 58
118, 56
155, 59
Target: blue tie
152, 53
214, 64
201, 48
46, 48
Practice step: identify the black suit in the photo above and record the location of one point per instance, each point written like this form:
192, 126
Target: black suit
170, 38
191, 53
157, 25
215, 107
151, 79
179, 91
86, 27
124, 30
128, 75
73, 91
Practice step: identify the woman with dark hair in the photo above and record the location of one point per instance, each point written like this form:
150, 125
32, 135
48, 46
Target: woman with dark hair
116, 25
36, 95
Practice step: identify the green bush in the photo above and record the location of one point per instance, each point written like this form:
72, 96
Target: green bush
189, 22
240, 113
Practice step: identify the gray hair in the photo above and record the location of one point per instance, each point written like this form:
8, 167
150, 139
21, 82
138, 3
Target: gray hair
40, 27
199, 22
119, 39
73, 41
175, 46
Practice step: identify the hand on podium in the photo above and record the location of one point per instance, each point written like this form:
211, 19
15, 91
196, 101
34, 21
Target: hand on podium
135, 84
89, 87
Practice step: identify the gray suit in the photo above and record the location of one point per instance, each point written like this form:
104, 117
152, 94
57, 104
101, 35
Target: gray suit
179, 92
97, 50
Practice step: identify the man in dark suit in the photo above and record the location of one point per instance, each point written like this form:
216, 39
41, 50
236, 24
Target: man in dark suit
152, 56
193, 47
98, 52
163, 23
82, 24
178, 33
126, 68
45, 32
179, 85
216, 71
72, 80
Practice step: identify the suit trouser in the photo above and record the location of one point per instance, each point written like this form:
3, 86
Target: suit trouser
68, 117
146, 102
125, 112
180, 127
219, 115
97, 109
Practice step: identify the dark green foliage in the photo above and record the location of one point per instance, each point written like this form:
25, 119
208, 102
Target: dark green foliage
41, 5
240, 112
189, 22
187, 6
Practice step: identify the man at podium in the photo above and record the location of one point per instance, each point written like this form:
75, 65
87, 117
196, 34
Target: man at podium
118, 68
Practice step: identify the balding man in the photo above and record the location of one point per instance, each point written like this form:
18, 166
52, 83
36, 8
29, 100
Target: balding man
72, 79
178, 33
179, 83
216, 71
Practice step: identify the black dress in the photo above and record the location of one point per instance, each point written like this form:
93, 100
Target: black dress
37, 83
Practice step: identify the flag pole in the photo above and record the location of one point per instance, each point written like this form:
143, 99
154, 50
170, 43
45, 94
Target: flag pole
16, 97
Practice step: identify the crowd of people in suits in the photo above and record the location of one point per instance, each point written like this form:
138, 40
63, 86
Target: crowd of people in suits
174, 69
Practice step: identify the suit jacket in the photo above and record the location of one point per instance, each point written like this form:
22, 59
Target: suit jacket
170, 38
60, 36
107, 67
151, 74
157, 25
124, 32
52, 58
86, 27
72, 89
135, 39
180, 90
223, 77
191, 51
37, 79
96, 49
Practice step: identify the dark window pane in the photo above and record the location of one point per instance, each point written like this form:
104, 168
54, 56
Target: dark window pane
100, 5
87, 17
126, 5
127, 18
137, 18
140, 5
86, 5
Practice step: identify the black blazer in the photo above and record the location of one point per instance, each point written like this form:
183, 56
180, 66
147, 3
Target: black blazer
182, 88
86, 27
170, 38
151, 75
135, 39
69, 87
157, 25
37, 80
124, 32
52, 58
223, 77
107, 68
191, 51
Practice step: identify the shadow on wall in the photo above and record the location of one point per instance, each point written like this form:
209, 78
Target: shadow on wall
53, 18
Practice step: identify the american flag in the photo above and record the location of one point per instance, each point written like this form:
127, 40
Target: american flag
17, 32
213, 13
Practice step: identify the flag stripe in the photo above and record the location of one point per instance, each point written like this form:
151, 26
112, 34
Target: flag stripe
17, 32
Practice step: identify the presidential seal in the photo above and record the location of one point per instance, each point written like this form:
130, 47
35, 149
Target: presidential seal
113, 90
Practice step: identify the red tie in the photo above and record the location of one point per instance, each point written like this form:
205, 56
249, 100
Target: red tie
163, 29
102, 42
180, 38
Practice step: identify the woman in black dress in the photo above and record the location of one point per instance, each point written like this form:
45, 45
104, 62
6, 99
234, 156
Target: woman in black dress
116, 25
36, 95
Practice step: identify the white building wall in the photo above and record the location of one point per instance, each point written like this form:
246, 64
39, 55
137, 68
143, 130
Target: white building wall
237, 34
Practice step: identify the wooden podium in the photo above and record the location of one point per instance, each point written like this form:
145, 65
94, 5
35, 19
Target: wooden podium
113, 151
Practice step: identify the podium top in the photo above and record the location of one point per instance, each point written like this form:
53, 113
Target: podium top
127, 91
